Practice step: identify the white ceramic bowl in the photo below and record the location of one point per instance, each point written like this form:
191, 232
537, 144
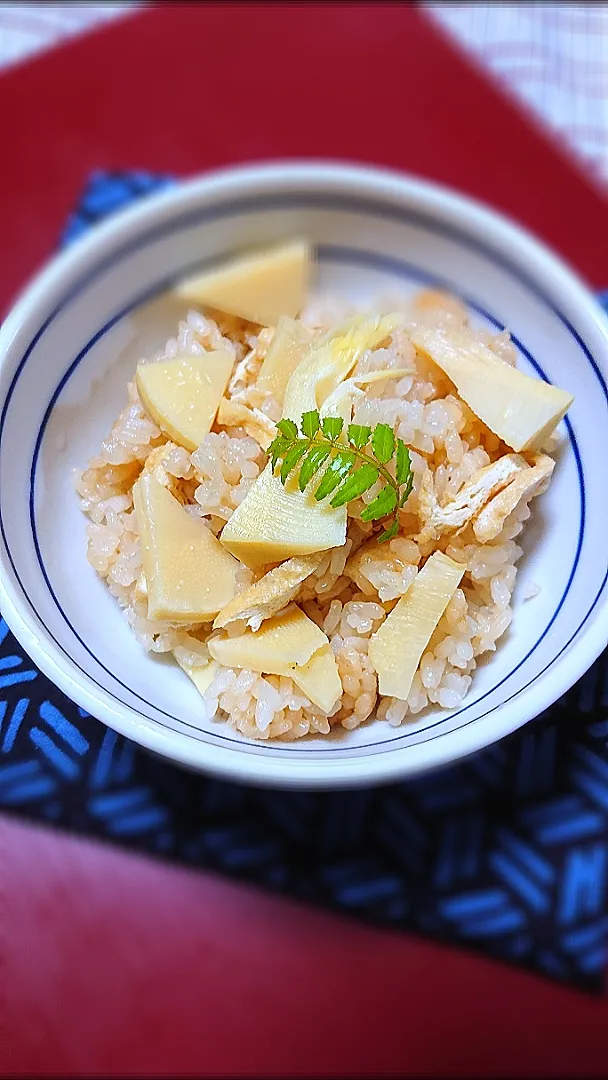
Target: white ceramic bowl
71, 343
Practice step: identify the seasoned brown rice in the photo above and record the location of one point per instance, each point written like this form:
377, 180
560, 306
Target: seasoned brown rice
355, 587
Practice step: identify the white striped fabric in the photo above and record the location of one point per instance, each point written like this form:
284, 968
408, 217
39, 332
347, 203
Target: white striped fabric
552, 57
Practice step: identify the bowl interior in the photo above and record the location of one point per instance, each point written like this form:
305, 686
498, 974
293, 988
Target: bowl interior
64, 379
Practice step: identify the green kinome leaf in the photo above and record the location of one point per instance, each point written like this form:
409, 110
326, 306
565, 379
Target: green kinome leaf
317, 450
332, 426
403, 463
383, 443
361, 480
390, 533
358, 435
288, 428
311, 464
277, 448
407, 491
291, 459
383, 504
311, 423
334, 474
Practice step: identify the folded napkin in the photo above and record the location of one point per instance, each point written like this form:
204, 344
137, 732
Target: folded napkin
506, 852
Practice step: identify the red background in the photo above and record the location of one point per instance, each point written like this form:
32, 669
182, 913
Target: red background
188, 87
109, 962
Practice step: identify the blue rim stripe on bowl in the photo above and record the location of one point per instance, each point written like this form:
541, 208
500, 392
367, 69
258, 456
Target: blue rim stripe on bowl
350, 255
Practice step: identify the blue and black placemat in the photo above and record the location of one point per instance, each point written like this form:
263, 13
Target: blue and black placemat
506, 852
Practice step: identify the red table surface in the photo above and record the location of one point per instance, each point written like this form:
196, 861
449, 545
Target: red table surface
112, 963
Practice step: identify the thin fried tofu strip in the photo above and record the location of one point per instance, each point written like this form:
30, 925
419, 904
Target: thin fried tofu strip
525, 486
271, 593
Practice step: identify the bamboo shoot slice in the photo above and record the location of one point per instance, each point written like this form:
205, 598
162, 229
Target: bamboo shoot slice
288, 644
189, 575
319, 679
182, 395
274, 523
288, 639
202, 676
396, 648
519, 409
259, 287
291, 342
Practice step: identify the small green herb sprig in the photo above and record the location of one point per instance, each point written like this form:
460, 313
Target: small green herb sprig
349, 469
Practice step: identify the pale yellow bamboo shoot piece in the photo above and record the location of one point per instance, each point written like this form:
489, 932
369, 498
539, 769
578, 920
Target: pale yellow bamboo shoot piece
396, 648
189, 575
259, 287
521, 410
182, 395
291, 342
288, 644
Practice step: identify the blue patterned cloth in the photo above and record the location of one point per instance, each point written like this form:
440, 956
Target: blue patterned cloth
506, 852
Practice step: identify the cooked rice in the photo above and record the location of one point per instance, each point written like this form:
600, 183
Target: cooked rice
355, 587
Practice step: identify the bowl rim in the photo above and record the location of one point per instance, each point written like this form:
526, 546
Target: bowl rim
230, 762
